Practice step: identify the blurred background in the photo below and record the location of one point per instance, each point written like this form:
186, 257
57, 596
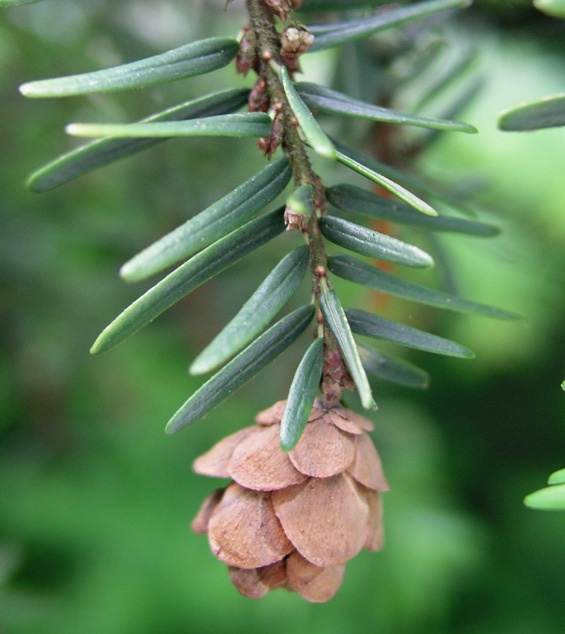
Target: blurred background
95, 500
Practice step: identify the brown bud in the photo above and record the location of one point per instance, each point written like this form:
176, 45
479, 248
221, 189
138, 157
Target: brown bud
336, 377
258, 97
293, 520
268, 145
283, 8
294, 221
294, 42
246, 58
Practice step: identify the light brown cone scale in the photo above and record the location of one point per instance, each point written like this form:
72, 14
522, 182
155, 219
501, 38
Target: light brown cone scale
245, 532
364, 423
323, 450
326, 519
315, 584
202, 519
340, 420
375, 541
271, 415
214, 463
256, 582
258, 463
367, 468
248, 582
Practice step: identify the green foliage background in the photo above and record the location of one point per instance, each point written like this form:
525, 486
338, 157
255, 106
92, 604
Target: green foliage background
95, 500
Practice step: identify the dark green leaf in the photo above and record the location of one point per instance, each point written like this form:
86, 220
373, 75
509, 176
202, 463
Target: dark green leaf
303, 390
256, 313
364, 323
311, 129
536, 115
364, 165
189, 276
392, 369
333, 102
253, 124
210, 225
372, 167
548, 499
354, 199
242, 368
554, 8
337, 323
103, 151
329, 35
371, 243
191, 59
557, 477
352, 269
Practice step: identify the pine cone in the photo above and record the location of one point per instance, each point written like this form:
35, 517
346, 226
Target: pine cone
293, 520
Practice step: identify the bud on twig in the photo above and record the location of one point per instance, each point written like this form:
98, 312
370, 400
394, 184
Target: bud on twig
283, 8
258, 97
268, 145
246, 58
294, 42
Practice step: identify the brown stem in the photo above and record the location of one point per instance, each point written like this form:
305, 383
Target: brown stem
262, 20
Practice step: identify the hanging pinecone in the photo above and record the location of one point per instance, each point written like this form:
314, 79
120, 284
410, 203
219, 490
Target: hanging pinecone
293, 520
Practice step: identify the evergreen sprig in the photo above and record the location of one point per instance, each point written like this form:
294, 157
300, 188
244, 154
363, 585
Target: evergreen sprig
283, 113
541, 114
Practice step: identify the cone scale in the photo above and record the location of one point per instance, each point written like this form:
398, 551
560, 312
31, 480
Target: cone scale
293, 520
